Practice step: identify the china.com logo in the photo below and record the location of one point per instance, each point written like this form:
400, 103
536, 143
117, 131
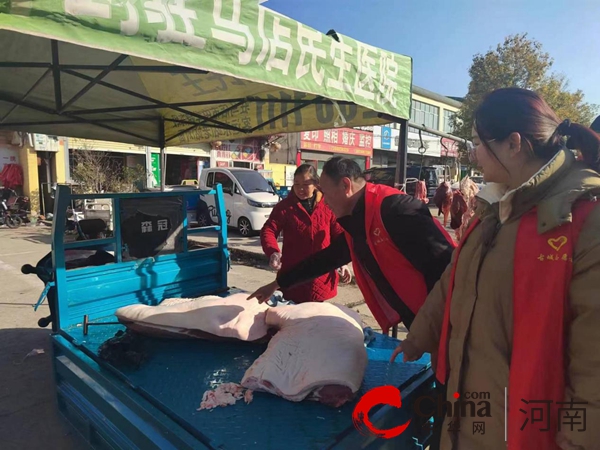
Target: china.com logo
475, 404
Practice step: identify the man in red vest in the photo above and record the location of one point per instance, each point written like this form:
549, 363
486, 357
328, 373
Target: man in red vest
397, 249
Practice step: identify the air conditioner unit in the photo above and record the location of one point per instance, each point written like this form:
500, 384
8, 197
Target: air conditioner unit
17, 139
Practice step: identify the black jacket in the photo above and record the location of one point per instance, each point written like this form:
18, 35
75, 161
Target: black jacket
413, 231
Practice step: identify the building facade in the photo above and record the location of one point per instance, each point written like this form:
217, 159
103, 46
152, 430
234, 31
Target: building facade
182, 163
376, 146
316, 147
42, 161
431, 110
245, 153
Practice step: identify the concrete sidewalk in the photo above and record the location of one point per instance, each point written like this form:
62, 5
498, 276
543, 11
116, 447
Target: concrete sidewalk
29, 418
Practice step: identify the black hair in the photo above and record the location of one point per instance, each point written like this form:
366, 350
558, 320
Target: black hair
515, 110
339, 167
307, 169
596, 125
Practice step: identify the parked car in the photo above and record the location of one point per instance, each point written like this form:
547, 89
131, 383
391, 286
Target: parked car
249, 198
386, 175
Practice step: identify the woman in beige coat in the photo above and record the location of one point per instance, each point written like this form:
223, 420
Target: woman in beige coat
534, 181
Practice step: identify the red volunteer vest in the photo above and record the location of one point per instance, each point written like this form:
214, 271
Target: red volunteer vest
542, 267
406, 281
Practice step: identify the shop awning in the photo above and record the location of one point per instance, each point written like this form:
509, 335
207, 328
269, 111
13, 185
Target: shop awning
167, 73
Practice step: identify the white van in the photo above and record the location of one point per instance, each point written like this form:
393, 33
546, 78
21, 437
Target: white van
249, 199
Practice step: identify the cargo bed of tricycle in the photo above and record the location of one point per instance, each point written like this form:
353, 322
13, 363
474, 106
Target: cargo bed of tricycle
156, 405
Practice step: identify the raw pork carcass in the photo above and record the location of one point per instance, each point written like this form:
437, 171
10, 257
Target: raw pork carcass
209, 317
463, 206
318, 353
421, 192
458, 208
469, 190
443, 200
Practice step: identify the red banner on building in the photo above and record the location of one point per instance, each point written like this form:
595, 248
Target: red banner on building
342, 140
449, 148
246, 150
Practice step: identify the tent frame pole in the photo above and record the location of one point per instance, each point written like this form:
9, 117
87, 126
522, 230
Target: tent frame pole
62, 67
71, 119
92, 83
56, 75
69, 116
400, 176
225, 111
163, 156
24, 97
153, 100
401, 156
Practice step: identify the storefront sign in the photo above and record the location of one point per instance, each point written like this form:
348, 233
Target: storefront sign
236, 151
43, 143
156, 168
238, 155
386, 138
432, 144
344, 140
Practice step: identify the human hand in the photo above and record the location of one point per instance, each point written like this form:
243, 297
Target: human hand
410, 350
275, 261
345, 274
264, 293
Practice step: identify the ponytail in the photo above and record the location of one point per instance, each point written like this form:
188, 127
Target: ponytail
583, 139
514, 110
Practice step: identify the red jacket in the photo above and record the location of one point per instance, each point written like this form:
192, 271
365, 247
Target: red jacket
303, 235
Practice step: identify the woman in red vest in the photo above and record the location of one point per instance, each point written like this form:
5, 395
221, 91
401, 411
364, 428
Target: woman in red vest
514, 323
308, 225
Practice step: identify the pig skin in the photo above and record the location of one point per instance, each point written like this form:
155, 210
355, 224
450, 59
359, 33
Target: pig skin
209, 317
297, 364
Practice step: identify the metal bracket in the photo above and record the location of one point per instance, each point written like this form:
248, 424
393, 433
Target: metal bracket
43, 295
87, 324
228, 255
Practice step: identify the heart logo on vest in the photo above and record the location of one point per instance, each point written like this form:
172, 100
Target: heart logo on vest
557, 243
376, 231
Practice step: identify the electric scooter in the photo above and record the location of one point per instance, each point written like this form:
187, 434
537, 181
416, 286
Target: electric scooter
86, 229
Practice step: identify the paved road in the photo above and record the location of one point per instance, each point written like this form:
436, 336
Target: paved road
28, 412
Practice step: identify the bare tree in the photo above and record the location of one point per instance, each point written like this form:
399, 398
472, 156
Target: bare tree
520, 62
96, 172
